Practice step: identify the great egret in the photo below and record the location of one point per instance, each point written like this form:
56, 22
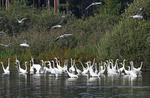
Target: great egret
95, 3
21, 70
56, 26
2, 32
5, 45
59, 24
6, 70
137, 70
130, 72
24, 44
37, 67
20, 21
138, 15
72, 75
63, 36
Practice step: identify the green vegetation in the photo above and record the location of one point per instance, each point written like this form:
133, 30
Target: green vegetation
108, 32
130, 37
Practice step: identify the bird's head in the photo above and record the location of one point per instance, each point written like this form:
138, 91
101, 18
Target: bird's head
55, 58
131, 62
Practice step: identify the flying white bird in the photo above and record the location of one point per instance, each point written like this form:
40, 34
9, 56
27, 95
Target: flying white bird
56, 26
63, 36
63, 16
62, 19
59, 24
138, 15
20, 21
24, 44
2, 32
95, 3
5, 45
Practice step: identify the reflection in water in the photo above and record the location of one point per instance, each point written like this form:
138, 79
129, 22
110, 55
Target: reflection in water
92, 81
45, 86
5, 85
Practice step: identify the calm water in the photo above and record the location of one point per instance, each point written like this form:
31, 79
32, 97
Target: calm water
44, 86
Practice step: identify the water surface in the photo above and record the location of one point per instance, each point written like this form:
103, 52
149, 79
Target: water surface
46, 86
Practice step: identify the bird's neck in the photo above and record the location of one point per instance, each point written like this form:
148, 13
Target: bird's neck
53, 64
26, 67
141, 65
3, 67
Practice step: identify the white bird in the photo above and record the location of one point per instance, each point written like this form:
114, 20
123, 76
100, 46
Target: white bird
62, 19
20, 21
44, 69
102, 69
72, 75
24, 44
82, 66
58, 65
92, 73
53, 68
21, 70
56, 26
65, 66
2, 32
130, 72
78, 70
31, 68
63, 16
137, 70
95, 3
5, 45
72, 68
110, 68
63, 36
6, 70
48, 69
91, 70
59, 24
138, 15
120, 70
85, 70
37, 67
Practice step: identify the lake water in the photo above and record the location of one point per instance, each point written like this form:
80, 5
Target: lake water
44, 86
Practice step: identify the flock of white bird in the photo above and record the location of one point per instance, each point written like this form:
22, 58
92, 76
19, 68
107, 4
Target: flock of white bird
25, 44
89, 69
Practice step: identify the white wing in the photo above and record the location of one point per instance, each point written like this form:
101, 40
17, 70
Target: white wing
89, 6
56, 26
23, 19
4, 45
66, 35
97, 3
